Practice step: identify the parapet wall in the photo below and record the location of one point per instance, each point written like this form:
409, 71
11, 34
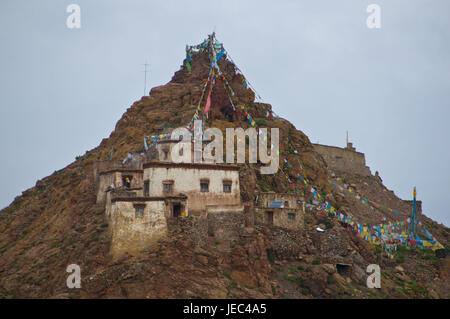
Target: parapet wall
343, 159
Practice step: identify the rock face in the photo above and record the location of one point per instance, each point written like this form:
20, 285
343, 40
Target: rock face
57, 223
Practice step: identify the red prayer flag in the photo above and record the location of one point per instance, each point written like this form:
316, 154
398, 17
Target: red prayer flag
208, 103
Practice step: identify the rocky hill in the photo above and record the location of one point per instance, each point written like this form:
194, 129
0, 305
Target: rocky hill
57, 223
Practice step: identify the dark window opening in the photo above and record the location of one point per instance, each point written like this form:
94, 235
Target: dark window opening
167, 187
139, 211
126, 181
227, 113
146, 188
227, 187
286, 203
291, 217
204, 187
176, 210
228, 117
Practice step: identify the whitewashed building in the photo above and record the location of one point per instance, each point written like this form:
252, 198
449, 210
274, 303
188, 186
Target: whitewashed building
140, 198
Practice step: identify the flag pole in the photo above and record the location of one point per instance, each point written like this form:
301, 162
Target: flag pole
414, 212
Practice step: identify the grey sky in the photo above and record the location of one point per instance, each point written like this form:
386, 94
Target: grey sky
315, 61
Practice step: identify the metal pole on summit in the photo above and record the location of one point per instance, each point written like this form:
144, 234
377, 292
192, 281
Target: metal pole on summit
145, 77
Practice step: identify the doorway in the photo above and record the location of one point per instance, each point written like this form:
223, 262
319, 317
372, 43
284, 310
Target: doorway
269, 218
176, 210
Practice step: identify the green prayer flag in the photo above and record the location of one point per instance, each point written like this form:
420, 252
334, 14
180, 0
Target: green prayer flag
188, 66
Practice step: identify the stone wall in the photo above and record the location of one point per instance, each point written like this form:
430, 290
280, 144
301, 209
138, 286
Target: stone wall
225, 224
104, 181
289, 200
291, 204
129, 233
281, 217
249, 214
222, 223
343, 159
114, 177
103, 166
195, 227
289, 243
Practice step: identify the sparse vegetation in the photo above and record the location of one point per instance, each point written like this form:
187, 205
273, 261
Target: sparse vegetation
331, 280
328, 224
293, 279
400, 259
416, 288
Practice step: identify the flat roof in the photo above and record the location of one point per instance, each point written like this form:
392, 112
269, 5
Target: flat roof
337, 147
121, 170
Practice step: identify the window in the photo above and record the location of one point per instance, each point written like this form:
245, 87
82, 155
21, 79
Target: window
167, 187
291, 217
204, 186
126, 180
146, 188
166, 153
286, 203
227, 187
139, 211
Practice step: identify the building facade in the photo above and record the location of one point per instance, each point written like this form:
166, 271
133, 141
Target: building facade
285, 210
346, 159
140, 198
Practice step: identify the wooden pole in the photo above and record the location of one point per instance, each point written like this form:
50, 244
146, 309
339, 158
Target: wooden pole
414, 212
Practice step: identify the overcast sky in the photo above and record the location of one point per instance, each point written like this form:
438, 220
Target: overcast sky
62, 90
